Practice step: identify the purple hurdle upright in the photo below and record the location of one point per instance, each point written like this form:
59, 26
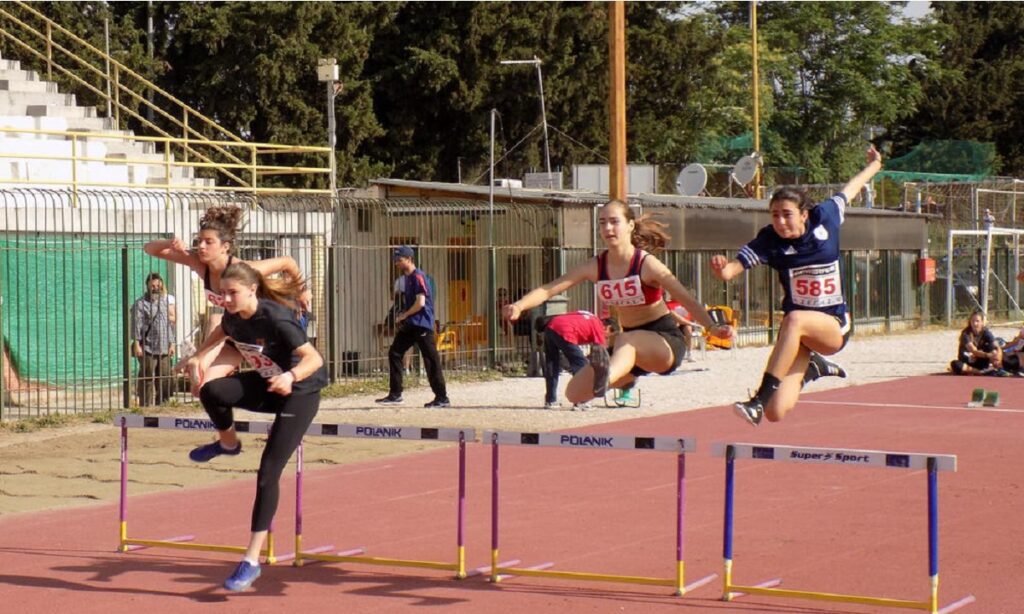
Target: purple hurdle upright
681, 446
181, 542
459, 435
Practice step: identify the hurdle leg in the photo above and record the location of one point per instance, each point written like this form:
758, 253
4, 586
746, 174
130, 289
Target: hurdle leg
123, 514
460, 537
298, 506
680, 514
494, 508
730, 476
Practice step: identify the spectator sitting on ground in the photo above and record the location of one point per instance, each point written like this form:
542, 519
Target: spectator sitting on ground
978, 353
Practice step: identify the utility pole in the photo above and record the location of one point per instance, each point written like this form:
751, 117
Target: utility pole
327, 72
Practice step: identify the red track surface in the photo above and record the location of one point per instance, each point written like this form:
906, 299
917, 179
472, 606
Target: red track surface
833, 529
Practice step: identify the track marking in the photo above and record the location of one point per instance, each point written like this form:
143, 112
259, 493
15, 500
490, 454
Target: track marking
863, 404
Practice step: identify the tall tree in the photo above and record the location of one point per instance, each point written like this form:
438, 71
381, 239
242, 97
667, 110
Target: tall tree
974, 90
251, 66
844, 68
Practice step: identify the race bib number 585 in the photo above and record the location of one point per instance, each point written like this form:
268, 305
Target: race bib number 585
620, 292
816, 285
253, 354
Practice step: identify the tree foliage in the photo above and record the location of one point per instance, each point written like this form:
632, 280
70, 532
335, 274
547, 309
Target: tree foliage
420, 78
975, 92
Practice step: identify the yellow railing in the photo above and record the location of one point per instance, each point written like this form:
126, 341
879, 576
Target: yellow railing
227, 156
77, 159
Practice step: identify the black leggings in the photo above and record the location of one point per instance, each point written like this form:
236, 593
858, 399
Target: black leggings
294, 415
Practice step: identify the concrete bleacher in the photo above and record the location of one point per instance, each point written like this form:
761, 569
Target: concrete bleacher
29, 158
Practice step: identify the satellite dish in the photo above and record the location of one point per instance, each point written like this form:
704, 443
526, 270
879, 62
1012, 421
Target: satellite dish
691, 180
745, 169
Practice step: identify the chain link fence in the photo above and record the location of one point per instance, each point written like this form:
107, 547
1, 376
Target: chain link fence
70, 273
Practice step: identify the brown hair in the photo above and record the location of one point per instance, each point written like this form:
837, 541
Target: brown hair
800, 197
648, 233
224, 220
283, 289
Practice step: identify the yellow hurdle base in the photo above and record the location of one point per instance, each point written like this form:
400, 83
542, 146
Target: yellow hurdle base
797, 594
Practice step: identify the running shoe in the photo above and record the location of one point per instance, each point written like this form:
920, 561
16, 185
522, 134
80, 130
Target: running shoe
245, 574
390, 400
581, 406
204, 454
752, 411
552, 405
438, 403
824, 367
599, 362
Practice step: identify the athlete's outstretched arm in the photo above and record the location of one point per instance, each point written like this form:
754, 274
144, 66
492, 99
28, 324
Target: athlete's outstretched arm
725, 269
858, 181
173, 250
584, 271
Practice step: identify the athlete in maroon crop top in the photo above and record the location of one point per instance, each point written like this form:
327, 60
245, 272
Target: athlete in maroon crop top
630, 280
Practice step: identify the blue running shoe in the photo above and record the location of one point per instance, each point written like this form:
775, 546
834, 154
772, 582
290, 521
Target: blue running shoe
245, 574
206, 453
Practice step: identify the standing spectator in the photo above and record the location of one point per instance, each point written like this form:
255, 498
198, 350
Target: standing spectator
415, 326
396, 308
153, 317
563, 335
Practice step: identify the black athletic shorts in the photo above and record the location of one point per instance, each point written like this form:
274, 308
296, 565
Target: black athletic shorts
667, 327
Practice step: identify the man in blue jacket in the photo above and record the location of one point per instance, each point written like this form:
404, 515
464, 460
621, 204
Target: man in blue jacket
415, 326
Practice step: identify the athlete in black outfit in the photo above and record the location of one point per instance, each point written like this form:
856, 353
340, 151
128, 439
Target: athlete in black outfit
286, 381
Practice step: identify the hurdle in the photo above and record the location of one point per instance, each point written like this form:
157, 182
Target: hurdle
932, 463
181, 542
681, 446
460, 435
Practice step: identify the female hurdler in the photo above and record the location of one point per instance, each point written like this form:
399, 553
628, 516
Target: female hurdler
630, 279
802, 244
286, 381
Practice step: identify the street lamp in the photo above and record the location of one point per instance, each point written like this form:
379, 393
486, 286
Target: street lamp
327, 72
543, 114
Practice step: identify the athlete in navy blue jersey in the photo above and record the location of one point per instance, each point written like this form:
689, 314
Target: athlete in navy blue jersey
802, 245
629, 277
286, 379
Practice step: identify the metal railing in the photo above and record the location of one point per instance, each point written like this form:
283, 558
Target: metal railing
186, 132
68, 276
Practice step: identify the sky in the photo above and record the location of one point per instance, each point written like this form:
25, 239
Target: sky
917, 9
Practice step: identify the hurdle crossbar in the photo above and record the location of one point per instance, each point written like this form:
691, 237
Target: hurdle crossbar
402, 433
931, 463
184, 542
679, 445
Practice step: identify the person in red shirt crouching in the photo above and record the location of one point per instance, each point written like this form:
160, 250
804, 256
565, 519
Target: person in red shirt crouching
563, 336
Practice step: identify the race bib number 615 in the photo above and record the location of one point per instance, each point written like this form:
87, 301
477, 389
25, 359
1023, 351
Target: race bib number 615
620, 292
816, 285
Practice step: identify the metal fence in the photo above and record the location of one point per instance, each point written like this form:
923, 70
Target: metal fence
69, 272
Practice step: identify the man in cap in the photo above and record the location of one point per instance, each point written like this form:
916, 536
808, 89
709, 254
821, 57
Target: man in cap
414, 326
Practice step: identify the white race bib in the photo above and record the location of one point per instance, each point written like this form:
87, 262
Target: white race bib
253, 354
621, 292
816, 285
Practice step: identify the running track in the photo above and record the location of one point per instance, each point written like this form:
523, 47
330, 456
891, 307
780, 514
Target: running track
833, 529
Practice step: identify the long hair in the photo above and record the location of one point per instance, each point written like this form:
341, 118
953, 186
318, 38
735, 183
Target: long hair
224, 220
794, 195
282, 289
648, 233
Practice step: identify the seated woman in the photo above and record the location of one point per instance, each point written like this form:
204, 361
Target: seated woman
632, 280
978, 354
